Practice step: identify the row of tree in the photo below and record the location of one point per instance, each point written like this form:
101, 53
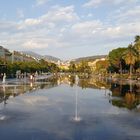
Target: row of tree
122, 60
81, 67
29, 67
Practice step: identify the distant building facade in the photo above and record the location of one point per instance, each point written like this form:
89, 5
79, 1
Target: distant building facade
20, 57
64, 65
15, 56
5, 54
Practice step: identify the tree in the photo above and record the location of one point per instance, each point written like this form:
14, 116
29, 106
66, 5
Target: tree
137, 38
53, 68
102, 65
72, 67
84, 67
30, 67
137, 47
116, 58
1, 61
137, 43
130, 57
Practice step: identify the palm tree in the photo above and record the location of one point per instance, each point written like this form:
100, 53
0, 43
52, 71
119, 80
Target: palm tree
137, 47
131, 56
137, 43
137, 38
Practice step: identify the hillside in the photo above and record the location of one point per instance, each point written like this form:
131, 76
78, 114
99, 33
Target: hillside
89, 58
38, 56
51, 58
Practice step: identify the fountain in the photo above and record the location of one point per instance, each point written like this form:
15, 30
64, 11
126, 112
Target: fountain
76, 117
4, 77
31, 84
76, 80
4, 95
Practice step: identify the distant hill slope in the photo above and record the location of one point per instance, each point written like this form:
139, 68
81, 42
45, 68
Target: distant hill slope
33, 54
51, 58
89, 58
55, 59
38, 56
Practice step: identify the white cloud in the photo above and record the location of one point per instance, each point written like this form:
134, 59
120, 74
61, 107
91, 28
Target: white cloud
112, 31
62, 30
58, 14
33, 44
20, 13
92, 3
87, 28
81, 33
31, 22
7, 25
90, 15
117, 2
61, 27
121, 31
97, 3
127, 14
41, 2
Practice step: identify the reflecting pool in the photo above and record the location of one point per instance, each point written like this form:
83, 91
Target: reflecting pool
62, 108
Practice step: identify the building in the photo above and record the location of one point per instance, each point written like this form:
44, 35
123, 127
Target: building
64, 65
20, 57
5, 54
14, 56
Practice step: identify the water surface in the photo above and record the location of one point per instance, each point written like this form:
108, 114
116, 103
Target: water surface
47, 110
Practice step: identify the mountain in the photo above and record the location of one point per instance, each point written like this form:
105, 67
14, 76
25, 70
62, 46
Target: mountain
51, 58
89, 58
38, 56
33, 54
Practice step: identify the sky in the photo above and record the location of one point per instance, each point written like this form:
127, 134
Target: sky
68, 29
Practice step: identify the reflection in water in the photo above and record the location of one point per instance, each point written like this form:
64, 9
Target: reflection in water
123, 95
2, 117
128, 96
31, 84
76, 118
13, 89
4, 95
45, 109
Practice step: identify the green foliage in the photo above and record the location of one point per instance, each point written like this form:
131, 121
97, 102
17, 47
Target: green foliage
1, 61
101, 66
137, 44
84, 68
131, 57
53, 68
72, 67
115, 56
123, 58
81, 67
116, 60
30, 67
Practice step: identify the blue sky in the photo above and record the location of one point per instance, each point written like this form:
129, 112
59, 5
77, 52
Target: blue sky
68, 28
